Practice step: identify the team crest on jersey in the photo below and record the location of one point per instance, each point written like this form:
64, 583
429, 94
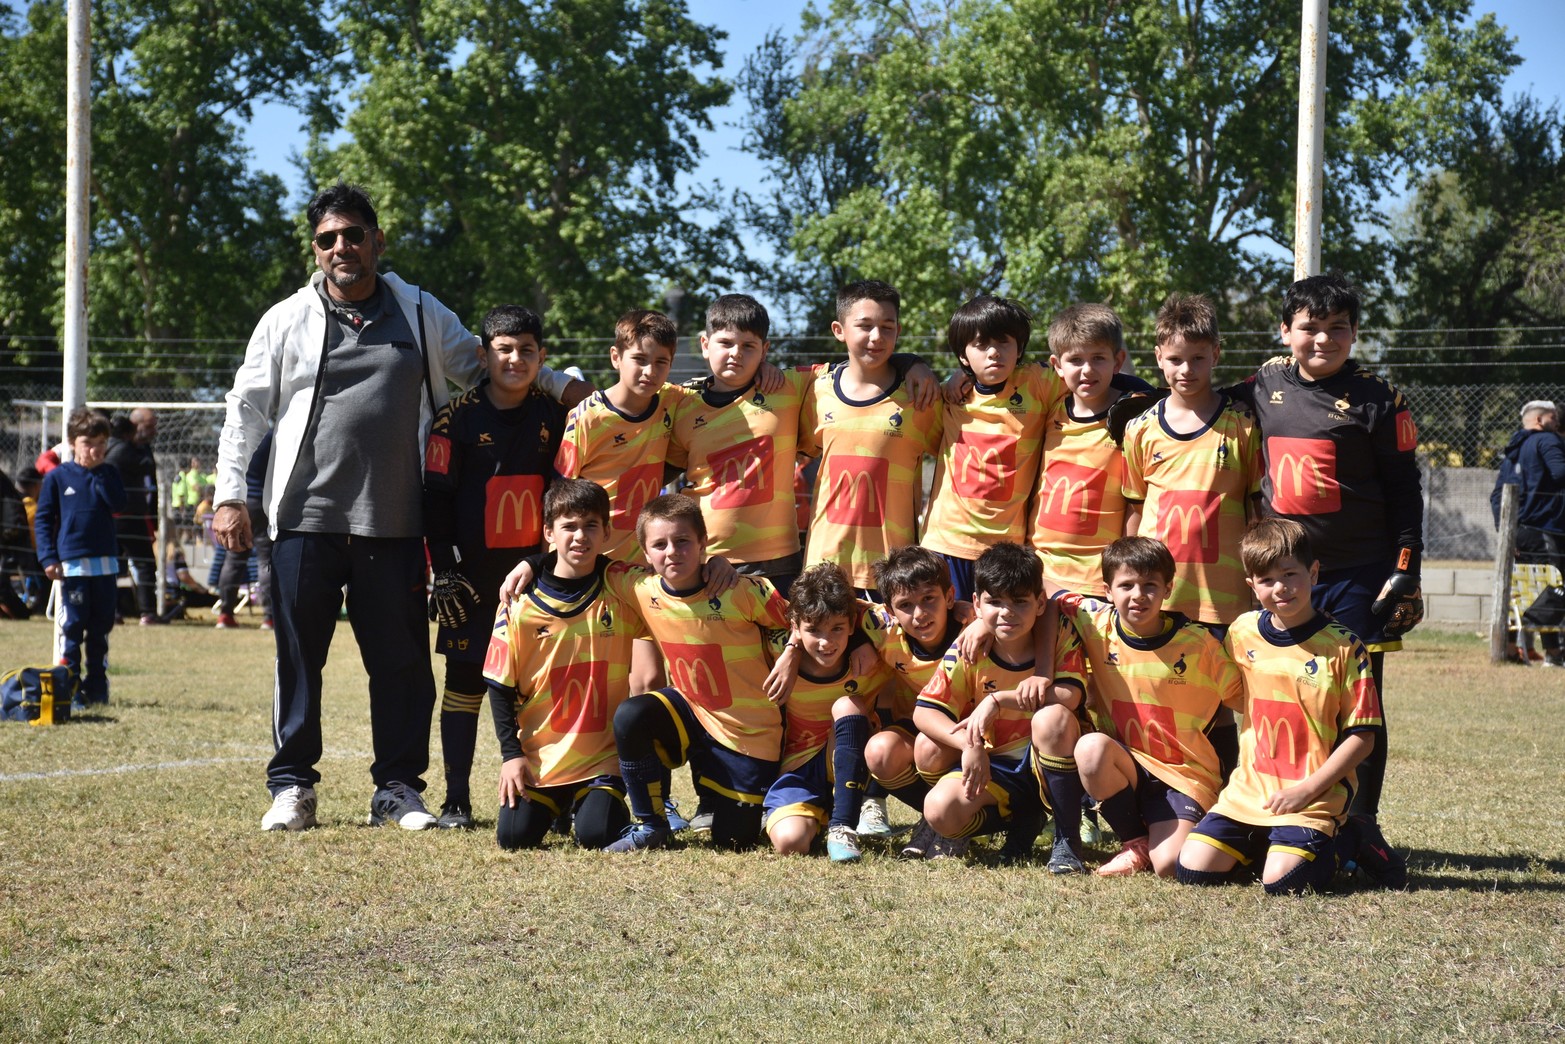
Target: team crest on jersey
485, 439
1223, 461
1179, 667
1016, 403
1343, 404
850, 686
760, 402
606, 618
895, 420
668, 419
1311, 673
543, 433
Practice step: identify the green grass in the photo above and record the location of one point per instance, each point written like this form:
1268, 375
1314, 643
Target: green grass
144, 902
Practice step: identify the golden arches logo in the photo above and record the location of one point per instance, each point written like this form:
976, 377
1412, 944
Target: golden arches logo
1280, 736
635, 488
693, 673
742, 475
1188, 518
437, 455
515, 515
1296, 467
853, 493
580, 698
1152, 737
1066, 489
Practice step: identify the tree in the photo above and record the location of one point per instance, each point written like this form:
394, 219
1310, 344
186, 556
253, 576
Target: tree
1116, 150
529, 153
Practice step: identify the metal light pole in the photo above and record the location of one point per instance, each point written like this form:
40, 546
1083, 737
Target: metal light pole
1312, 141
78, 169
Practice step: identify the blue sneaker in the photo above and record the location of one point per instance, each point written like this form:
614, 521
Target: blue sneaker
842, 844
638, 837
676, 822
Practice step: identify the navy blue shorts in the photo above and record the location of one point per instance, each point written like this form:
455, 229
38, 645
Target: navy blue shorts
567, 796
961, 570
1014, 783
1347, 595
725, 772
1160, 802
1248, 843
806, 791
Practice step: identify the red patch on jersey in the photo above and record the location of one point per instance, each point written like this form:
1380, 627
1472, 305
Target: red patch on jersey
1366, 700
1304, 476
635, 487
497, 660
853, 488
1187, 523
513, 511
1070, 497
698, 673
580, 692
804, 735
565, 459
983, 465
1010, 732
1147, 728
437, 455
742, 473
1281, 737
1407, 432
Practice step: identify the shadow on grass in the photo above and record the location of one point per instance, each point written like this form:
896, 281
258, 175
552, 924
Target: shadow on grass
1463, 872
93, 717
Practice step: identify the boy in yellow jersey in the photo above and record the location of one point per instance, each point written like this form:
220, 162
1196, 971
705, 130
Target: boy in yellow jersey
557, 672
871, 435
990, 442
1311, 710
822, 777
976, 710
1078, 507
717, 713
1157, 681
1193, 479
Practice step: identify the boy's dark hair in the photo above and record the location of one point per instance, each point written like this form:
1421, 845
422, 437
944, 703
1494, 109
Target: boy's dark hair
1320, 296
1141, 555
121, 427
88, 422
28, 475
625, 328
1085, 324
657, 328
987, 318
671, 507
575, 497
819, 593
867, 290
511, 321
907, 569
341, 198
1191, 316
1271, 540
1008, 570
738, 312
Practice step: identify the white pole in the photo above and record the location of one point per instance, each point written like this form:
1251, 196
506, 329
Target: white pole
1312, 140
78, 168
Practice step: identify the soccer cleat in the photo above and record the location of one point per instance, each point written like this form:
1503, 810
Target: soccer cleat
918, 845
152, 620
293, 808
1132, 859
947, 848
226, 622
267, 624
639, 837
701, 823
1374, 858
676, 822
1091, 827
872, 819
1064, 859
455, 815
842, 844
400, 804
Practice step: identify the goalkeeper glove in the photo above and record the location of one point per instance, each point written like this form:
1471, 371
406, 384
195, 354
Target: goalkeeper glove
452, 599
1127, 408
1401, 600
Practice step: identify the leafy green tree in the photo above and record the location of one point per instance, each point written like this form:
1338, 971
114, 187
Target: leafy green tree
528, 153
1060, 149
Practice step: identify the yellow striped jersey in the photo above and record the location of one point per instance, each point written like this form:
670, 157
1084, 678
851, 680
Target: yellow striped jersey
624, 455
1195, 488
569, 661
738, 455
988, 463
1157, 695
1303, 692
869, 487
1078, 507
807, 725
716, 652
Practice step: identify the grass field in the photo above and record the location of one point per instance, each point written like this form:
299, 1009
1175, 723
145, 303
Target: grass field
141, 901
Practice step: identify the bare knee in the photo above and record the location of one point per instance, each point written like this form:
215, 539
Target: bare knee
1055, 731
793, 835
888, 754
1093, 752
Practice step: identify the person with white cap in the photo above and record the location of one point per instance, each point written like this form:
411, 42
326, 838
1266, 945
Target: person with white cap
1534, 461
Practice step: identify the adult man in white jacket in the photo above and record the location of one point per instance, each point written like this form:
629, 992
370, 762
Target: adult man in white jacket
351, 369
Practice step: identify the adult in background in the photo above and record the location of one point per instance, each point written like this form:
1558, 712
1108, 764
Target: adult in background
130, 451
1534, 460
348, 372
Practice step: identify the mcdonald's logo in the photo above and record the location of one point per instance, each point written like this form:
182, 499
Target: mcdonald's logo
631, 493
983, 465
804, 736
1366, 699
1187, 523
1070, 497
742, 474
1010, 731
565, 459
1149, 728
1407, 432
497, 660
437, 455
1280, 737
698, 673
853, 488
580, 695
513, 511
1304, 476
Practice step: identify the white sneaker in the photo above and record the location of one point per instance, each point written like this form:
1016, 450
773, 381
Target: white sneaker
872, 819
947, 848
400, 804
293, 808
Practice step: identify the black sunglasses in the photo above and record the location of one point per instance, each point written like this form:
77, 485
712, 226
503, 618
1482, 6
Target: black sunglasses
354, 234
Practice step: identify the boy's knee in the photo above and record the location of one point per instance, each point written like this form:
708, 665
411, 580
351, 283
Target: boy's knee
1055, 731
943, 811
516, 828
887, 754
600, 818
1091, 751
1308, 875
793, 835
845, 707
633, 719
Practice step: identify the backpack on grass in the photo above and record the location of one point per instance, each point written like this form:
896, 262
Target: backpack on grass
37, 695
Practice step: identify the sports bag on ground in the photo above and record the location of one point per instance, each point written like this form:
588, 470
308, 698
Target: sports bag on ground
39, 695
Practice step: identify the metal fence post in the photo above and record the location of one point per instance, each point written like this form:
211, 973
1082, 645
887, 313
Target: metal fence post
1504, 554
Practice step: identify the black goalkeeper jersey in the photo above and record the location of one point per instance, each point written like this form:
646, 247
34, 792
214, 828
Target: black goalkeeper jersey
1340, 457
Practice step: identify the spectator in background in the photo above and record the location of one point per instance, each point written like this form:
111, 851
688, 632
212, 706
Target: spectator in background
1534, 461
130, 451
34, 586
236, 563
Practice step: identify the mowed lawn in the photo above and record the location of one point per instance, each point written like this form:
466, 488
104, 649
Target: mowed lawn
142, 902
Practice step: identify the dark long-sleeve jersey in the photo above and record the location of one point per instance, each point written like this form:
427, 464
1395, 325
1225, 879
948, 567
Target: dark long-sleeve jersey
1340, 458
